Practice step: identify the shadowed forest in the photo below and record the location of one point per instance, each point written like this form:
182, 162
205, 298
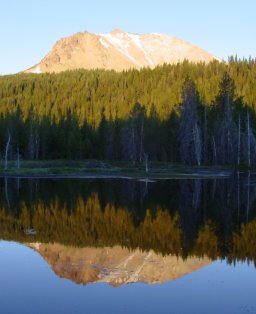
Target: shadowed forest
190, 113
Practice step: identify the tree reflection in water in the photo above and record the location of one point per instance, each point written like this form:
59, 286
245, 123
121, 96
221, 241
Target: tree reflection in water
203, 218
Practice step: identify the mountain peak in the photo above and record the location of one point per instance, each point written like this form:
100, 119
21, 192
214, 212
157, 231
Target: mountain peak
116, 31
118, 51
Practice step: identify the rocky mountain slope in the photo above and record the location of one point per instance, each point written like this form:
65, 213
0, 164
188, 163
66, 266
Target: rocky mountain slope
115, 265
119, 51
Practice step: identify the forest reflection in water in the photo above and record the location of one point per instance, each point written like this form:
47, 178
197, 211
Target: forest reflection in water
213, 218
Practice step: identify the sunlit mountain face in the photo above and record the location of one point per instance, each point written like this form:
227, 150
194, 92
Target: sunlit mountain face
118, 51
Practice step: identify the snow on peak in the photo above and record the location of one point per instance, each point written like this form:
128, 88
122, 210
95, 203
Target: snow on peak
119, 50
120, 43
37, 70
129, 45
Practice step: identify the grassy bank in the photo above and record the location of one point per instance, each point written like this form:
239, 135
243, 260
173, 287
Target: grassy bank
89, 168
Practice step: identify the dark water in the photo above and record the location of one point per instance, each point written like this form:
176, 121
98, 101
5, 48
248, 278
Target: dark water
128, 246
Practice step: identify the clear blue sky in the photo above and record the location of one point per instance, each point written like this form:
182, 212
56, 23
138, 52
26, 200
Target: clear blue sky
29, 28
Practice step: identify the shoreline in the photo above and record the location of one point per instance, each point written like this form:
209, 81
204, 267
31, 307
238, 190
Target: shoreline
114, 170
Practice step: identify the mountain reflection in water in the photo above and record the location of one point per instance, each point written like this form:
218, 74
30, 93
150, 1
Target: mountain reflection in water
211, 219
115, 265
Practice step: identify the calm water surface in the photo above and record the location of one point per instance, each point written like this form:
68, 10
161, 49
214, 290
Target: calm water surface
128, 246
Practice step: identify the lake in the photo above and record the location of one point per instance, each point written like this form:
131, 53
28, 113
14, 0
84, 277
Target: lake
128, 246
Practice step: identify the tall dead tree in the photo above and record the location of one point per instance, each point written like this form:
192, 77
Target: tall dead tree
214, 151
239, 141
248, 140
205, 136
238, 195
197, 144
227, 124
133, 135
146, 162
225, 131
18, 159
31, 144
141, 149
248, 195
7, 147
6, 191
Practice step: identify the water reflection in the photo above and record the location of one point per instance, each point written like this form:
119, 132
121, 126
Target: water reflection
28, 285
115, 265
185, 218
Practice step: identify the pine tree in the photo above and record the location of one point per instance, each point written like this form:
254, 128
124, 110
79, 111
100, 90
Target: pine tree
190, 131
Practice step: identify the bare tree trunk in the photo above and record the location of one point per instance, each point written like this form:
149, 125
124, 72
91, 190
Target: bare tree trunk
133, 152
37, 145
6, 191
6, 151
248, 195
205, 135
214, 149
31, 145
18, 159
229, 154
146, 162
227, 159
248, 139
141, 139
227, 125
238, 195
197, 144
239, 141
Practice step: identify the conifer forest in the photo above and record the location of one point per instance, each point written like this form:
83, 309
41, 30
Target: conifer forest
195, 114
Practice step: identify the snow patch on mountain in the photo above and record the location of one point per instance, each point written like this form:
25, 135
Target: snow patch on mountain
104, 43
138, 42
37, 70
120, 44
